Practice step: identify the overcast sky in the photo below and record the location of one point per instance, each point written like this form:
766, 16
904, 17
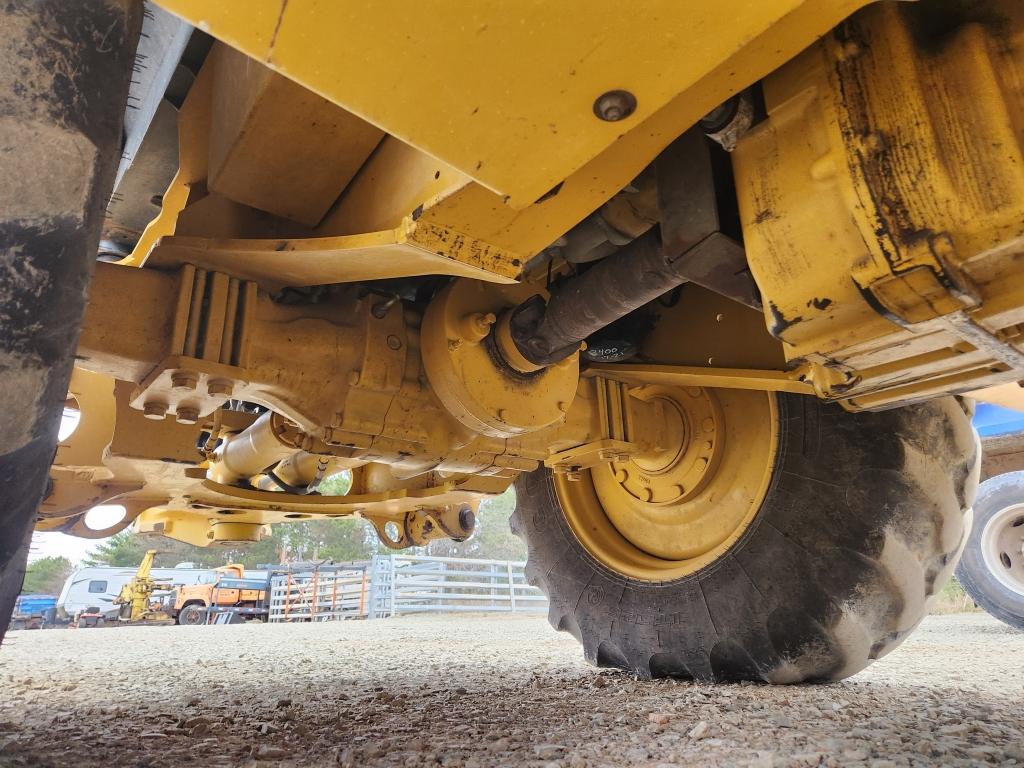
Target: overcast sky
60, 544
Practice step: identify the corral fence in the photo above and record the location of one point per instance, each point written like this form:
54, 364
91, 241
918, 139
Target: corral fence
393, 585
323, 593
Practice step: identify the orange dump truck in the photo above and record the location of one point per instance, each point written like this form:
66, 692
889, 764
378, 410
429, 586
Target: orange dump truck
224, 591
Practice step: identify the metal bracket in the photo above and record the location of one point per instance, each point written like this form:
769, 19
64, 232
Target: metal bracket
693, 174
420, 526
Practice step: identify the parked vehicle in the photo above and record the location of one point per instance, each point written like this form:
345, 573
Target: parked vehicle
34, 611
991, 569
223, 590
99, 587
89, 618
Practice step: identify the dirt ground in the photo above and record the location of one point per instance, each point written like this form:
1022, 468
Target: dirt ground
484, 691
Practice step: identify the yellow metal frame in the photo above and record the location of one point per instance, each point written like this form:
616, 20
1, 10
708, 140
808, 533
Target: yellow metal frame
504, 92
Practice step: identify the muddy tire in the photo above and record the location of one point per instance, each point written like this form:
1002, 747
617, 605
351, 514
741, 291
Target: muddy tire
64, 70
991, 570
863, 522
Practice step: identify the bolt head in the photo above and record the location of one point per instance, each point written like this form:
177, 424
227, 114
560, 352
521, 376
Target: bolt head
183, 380
613, 106
187, 415
220, 388
154, 410
394, 343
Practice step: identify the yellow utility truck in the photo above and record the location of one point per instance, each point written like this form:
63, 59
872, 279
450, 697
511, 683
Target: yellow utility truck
713, 284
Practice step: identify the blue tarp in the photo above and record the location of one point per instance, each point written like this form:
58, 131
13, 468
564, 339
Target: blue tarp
34, 605
992, 420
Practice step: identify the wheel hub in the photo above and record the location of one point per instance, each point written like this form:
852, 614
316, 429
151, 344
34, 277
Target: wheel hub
678, 507
1002, 547
678, 471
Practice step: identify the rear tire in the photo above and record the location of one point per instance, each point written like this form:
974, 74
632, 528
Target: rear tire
992, 570
861, 525
192, 615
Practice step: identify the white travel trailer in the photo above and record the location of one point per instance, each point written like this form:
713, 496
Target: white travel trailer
97, 586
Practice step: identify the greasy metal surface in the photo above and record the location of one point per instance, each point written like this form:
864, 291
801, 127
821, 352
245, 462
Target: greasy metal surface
882, 199
467, 375
348, 384
693, 176
430, 78
694, 180
638, 273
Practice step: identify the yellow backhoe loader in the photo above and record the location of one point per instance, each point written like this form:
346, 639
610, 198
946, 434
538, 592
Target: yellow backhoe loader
713, 284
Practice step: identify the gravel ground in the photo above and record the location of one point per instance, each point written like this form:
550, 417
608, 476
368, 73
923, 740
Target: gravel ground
483, 691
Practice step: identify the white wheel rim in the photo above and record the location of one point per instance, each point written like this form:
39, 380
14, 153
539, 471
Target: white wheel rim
1002, 547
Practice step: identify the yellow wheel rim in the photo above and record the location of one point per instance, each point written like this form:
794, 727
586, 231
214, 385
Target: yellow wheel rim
667, 514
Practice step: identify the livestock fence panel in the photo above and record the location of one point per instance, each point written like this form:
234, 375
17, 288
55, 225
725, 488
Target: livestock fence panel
403, 584
393, 585
325, 593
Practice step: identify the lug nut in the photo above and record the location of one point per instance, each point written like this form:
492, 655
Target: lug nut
154, 410
183, 380
614, 106
220, 388
187, 415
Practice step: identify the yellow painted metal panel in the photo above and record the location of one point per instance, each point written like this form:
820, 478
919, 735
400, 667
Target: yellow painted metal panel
322, 260
505, 91
317, 147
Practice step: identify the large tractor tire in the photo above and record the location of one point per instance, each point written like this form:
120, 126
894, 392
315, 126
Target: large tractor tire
992, 568
64, 71
811, 545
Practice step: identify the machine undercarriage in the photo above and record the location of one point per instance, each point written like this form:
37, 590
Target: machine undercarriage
316, 295
704, 306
